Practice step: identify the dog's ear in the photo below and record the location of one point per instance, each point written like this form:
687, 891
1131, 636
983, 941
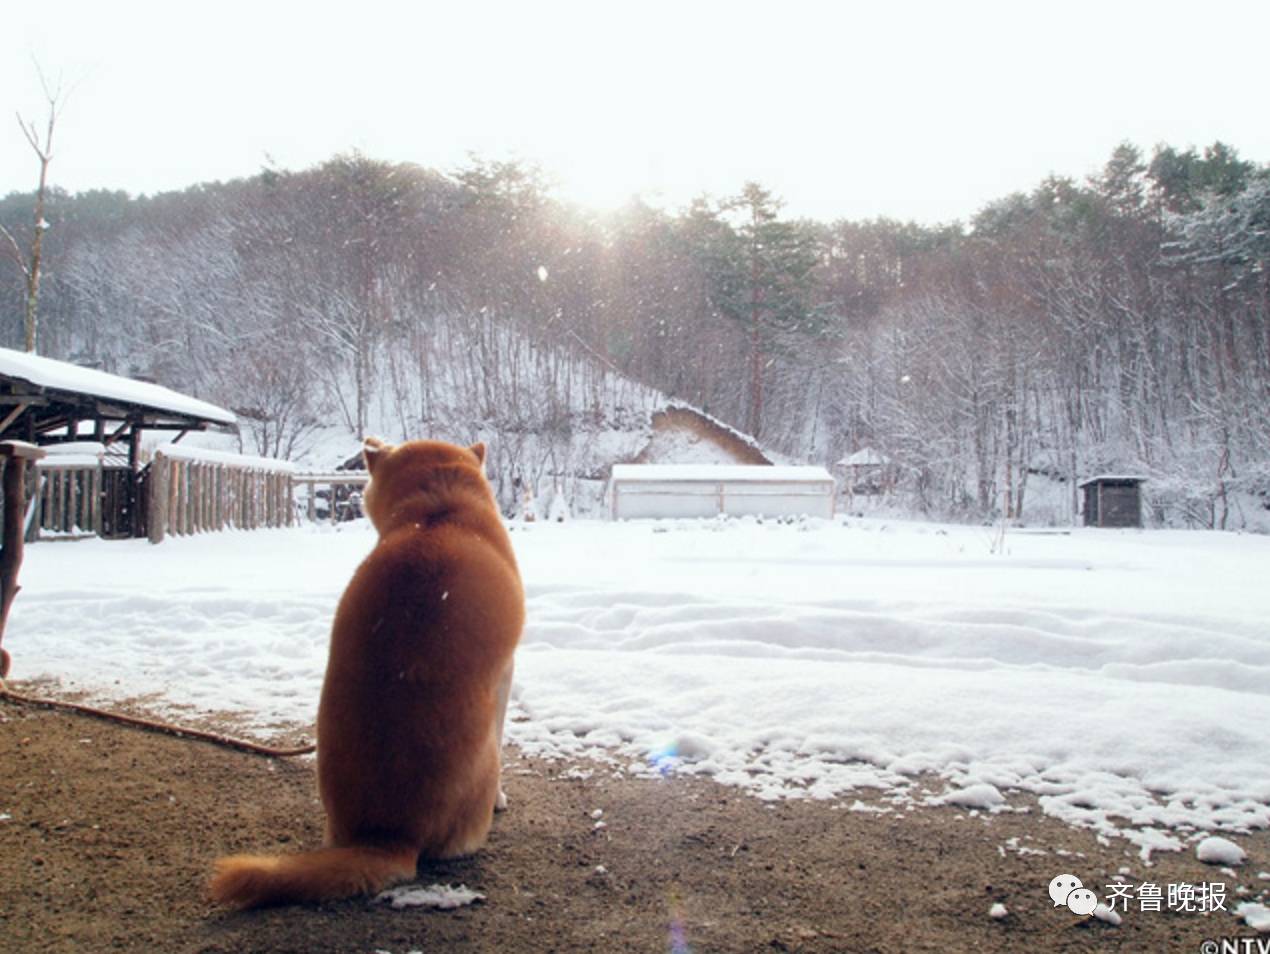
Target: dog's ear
479, 450
374, 450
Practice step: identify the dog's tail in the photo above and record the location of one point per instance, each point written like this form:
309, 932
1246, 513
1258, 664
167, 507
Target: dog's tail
257, 881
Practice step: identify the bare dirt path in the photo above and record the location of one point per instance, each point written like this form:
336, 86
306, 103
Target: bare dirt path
107, 835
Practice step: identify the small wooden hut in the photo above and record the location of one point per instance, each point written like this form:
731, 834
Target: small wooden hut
47, 402
1113, 501
864, 472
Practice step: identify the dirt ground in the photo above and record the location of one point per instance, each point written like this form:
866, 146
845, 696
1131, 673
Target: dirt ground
107, 835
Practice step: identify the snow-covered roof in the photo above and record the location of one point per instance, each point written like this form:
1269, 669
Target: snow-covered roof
864, 457
73, 454
717, 472
677, 405
1113, 479
208, 456
54, 375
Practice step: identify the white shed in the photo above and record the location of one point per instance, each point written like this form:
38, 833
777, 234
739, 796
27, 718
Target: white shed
708, 490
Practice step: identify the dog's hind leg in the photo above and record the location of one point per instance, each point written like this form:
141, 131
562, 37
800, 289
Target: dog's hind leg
504, 692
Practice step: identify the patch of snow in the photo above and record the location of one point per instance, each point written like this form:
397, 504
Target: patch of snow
998, 911
1012, 844
1215, 850
1149, 841
189, 452
441, 896
1107, 915
73, 454
1256, 916
859, 806
982, 796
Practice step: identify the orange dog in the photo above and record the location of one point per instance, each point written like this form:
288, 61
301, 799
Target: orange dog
411, 718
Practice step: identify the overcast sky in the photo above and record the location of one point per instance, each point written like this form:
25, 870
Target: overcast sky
912, 110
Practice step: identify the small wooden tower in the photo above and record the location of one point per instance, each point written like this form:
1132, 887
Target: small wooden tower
1113, 501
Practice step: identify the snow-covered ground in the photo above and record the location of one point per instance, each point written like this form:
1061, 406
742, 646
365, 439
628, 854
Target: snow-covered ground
1122, 676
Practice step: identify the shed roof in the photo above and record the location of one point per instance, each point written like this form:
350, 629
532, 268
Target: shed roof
865, 457
1112, 479
96, 393
716, 472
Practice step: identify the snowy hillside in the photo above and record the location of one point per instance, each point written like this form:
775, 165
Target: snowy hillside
1120, 676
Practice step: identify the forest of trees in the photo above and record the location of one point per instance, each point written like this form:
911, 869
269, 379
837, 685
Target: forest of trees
1117, 324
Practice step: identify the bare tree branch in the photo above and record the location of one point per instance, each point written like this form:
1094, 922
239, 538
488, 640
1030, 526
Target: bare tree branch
14, 250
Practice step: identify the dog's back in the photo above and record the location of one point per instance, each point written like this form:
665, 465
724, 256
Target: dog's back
410, 720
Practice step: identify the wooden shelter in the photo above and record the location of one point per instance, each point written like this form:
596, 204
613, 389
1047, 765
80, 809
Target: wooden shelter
864, 472
48, 402
1113, 501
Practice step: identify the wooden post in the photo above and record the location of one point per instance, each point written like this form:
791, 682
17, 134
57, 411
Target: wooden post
174, 480
134, 481
196, 487
191, 497
55, 500
209, 488
204, 481
174, 497
48, 501
220, 498
72, 482
191, 491
158, 518
97, 485
231, 499
182, 497
15, 454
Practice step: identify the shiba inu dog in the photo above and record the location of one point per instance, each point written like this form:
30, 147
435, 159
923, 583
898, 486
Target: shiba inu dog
410, 721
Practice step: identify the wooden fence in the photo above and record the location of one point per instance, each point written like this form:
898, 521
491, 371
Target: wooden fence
203, 491
70, 499
183, 491
78, 495
341, 498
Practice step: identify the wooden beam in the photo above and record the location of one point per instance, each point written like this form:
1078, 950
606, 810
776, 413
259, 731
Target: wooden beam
15, 455
117, 433
12, 416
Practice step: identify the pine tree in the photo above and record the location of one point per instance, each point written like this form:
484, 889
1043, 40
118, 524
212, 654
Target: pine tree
763, 280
